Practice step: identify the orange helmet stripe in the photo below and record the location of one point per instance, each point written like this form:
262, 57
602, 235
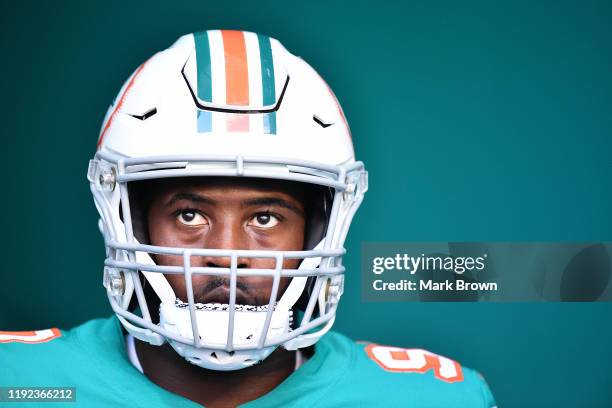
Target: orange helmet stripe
119, 104
236, 68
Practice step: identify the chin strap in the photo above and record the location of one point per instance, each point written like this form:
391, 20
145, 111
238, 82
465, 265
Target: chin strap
213, 325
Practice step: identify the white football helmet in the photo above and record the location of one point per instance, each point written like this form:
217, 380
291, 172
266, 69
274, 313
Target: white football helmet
231, 104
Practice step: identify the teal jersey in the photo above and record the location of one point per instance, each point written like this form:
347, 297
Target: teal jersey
341, 373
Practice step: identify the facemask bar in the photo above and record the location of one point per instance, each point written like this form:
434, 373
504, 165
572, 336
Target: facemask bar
142, 168
226, 253
108, 170
232, 272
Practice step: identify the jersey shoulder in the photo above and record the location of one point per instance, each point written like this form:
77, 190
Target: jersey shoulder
21, 349
36, 352
21, 343
406, 376
90, 357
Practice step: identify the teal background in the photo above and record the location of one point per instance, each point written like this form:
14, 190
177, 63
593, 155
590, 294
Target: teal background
477, 121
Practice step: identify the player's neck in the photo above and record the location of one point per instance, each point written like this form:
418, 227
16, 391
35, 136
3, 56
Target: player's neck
166, 368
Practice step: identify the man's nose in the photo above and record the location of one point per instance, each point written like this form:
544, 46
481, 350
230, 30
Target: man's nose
226, 235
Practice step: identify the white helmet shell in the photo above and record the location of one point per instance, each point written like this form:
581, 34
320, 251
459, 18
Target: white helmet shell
234, 104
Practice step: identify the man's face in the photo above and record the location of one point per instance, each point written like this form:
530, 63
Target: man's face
225, 213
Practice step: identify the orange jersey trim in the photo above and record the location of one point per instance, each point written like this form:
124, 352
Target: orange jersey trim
31, 337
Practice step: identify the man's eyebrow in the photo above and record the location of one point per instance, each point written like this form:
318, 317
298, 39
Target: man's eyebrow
193, 197
273, 201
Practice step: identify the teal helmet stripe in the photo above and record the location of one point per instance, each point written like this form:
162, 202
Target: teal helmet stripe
267, 81
202, 48
203, 63
203, 58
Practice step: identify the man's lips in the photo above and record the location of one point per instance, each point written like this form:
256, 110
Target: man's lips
221, 294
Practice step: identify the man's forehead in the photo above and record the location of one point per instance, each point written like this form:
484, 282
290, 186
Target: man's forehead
225, 187
230, 183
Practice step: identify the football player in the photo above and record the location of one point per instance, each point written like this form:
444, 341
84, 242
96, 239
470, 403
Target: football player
226, 181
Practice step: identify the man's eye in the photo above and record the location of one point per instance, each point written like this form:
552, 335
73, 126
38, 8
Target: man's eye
191, 218
264, 221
